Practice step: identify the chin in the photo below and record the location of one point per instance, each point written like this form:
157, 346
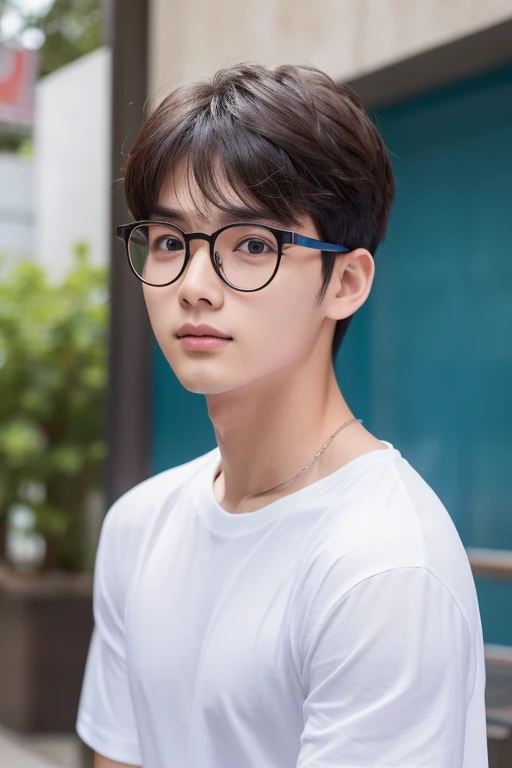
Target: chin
201, 383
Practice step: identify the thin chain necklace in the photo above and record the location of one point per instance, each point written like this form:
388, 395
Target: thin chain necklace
350, 421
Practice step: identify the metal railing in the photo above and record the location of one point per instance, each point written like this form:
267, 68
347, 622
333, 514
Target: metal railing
496, 564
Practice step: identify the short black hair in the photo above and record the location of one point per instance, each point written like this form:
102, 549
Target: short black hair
290, 141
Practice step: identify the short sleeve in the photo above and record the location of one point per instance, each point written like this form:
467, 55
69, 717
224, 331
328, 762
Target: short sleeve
388, 674
105, 719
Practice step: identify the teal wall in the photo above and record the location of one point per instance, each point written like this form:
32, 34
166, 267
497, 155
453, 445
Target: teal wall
427, 363
432, 354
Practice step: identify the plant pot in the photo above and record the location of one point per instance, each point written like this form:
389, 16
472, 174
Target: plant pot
46, 623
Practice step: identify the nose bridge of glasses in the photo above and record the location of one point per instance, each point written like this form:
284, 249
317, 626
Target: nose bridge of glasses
199, 236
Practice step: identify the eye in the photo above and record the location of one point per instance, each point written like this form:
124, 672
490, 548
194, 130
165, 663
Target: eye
171, 243
255, 246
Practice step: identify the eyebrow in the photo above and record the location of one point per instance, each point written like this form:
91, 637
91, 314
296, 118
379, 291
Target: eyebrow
239, 214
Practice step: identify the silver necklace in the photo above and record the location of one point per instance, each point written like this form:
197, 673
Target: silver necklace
350, 421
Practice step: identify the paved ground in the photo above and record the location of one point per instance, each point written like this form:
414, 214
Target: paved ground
39, 750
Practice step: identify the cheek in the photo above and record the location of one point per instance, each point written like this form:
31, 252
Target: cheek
285, 320
298, 289
151, 302
158, 303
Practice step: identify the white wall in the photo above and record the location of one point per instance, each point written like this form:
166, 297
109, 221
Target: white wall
72, 162
346, 38
16, 207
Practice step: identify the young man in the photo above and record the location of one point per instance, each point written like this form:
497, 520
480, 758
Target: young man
297, 597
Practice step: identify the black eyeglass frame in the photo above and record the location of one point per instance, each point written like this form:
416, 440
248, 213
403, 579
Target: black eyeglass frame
283, 237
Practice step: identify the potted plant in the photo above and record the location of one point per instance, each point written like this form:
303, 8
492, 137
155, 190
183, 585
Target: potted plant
53, 369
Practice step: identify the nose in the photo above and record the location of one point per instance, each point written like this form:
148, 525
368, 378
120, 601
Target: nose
199, 260
199, 279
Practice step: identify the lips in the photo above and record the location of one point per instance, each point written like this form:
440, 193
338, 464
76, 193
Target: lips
204, 343
201, 330
203, 336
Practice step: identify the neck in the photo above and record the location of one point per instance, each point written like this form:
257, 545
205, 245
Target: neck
267, 432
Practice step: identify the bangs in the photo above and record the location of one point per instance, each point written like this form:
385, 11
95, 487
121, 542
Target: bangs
224, 160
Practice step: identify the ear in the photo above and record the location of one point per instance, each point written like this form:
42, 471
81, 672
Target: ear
350, 283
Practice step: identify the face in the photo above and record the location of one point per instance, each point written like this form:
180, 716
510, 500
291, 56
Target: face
273, 330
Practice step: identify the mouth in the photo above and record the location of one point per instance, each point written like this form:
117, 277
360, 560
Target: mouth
204, 336
203, 343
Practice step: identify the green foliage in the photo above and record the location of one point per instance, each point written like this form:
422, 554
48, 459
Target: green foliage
25, 149
53, 375
71, 28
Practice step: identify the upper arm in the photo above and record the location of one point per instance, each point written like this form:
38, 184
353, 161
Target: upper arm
388, 676
106, 717
104, 762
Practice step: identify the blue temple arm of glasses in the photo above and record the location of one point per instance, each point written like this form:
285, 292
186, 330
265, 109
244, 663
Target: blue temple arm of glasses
309, 242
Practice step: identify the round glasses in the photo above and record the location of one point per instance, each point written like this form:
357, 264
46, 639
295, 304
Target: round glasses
245, 256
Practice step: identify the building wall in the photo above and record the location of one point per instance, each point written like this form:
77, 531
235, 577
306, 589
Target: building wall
16, 207
72, 161
346, 38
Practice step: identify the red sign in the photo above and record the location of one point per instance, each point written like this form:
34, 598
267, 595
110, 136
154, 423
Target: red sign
18, 73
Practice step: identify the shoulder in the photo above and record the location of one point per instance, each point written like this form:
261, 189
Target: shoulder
132, 510
130, 518
125, 528
389, 519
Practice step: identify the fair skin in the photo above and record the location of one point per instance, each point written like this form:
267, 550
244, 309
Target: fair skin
104, 762
272, 393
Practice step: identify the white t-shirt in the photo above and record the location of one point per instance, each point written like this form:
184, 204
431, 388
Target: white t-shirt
337, 627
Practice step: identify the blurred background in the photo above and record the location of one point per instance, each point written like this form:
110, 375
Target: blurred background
89, 406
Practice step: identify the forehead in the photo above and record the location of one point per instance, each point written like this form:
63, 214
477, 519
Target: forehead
181, 200
181, 190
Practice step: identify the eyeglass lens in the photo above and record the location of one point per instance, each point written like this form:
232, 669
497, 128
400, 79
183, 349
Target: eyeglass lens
245, 254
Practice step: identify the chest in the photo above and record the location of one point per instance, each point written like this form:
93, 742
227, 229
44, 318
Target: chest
210, 636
